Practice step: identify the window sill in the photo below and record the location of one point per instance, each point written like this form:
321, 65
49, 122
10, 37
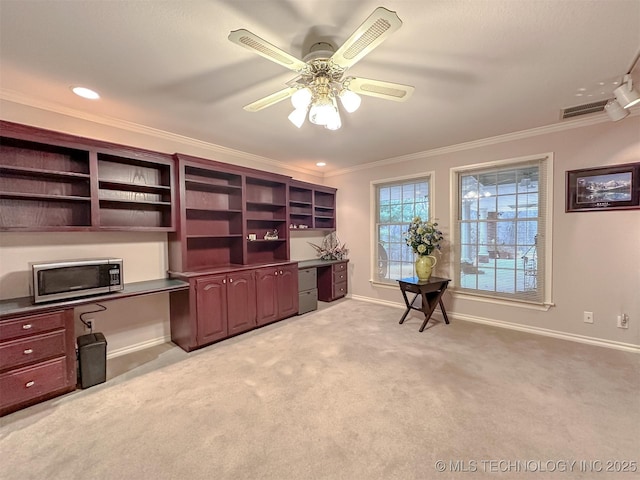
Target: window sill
543, 307
376, 283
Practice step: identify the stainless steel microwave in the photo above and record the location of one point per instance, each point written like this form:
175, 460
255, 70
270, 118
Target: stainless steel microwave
73, 279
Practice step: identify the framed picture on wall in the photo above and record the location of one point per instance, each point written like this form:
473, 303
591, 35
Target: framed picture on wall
616, 187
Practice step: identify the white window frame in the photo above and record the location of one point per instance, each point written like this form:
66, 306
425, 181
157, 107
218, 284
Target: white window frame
373, 215
547, 239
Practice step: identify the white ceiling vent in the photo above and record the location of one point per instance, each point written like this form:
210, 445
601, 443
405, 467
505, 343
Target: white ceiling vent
585, 109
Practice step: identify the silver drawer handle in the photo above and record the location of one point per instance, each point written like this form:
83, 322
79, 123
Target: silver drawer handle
30, 384
26, 326
28, 351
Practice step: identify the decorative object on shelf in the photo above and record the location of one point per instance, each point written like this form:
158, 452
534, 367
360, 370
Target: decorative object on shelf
252, 237
271, 235
424, 238
331, 249
615, 187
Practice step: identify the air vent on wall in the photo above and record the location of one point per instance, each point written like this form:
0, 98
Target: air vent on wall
585, 109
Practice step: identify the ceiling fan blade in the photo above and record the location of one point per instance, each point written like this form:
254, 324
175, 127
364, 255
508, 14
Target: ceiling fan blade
375, 29
252, 42
270, 99
377, 88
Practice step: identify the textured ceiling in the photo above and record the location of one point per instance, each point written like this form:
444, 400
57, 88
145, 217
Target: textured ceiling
481, 68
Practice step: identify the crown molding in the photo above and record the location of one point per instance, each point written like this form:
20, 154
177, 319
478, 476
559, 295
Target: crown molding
18, 98
508, 137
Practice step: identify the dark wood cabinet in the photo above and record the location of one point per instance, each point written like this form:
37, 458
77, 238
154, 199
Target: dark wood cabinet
276, 293
311, 206
37, 358
211, 313
332, 282
241, 302
218, 306
51, 181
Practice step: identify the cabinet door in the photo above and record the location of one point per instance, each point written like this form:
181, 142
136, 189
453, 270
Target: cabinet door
287, 291
267, 295
241, 302
211, 299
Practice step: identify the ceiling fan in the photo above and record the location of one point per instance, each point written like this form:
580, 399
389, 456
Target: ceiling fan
322, 79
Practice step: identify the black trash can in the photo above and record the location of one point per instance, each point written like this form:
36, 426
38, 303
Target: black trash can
92, 359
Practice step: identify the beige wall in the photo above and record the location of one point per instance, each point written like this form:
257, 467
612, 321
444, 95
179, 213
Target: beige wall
596, 255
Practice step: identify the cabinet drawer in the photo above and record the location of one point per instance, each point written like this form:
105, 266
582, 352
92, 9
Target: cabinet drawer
18, 386
307, 279
339, 290
307, 301
31, 349
340, 277
339, 267
30, 325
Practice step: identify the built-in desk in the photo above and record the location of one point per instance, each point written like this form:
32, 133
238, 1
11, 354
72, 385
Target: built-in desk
25, 306
331, 278
37, 343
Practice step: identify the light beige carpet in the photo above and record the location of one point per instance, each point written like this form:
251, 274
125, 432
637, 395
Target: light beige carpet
344, 393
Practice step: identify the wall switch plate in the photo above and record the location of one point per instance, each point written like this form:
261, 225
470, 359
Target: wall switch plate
623, 321
587, 317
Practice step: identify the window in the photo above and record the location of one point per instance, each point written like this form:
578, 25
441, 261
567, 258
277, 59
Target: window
501, 227
397, 202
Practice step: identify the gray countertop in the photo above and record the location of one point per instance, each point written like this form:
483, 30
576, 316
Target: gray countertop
25, 305
316, 262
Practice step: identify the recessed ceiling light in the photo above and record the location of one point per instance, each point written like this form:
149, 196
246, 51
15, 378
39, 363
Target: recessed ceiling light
320, 164
85, 93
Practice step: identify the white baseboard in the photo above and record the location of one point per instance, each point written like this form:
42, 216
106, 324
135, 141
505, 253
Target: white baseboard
627, 347
138, 346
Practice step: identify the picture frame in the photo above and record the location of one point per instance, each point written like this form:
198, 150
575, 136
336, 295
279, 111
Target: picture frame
615, 187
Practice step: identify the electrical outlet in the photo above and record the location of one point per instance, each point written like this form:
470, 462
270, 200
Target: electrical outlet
90, 324
587, 317
623, 321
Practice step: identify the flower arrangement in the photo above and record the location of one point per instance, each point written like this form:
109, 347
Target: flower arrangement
423, 237
330, 249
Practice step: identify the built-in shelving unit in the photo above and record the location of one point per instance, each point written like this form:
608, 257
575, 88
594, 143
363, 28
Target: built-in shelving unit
266, 213
311, 206
225, 214
211, 215
134, 194
43, 187
55, 182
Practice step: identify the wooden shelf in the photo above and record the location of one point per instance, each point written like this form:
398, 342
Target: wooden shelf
312, 206
39, 197
53, 181
42, 173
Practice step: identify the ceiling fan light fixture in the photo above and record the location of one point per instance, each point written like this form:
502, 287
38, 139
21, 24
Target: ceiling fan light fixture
297, 116
321, 111
302, 98
350, 100
334, 122
615, 110
626, 96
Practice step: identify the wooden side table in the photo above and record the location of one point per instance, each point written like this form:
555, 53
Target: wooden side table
430, 292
